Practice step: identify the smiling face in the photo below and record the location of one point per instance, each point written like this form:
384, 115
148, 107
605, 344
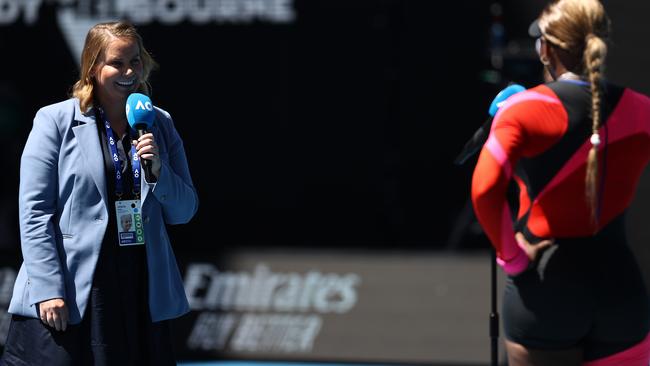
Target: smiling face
118, 72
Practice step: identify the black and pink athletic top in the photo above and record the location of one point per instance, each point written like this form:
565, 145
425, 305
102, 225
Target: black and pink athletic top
540, 138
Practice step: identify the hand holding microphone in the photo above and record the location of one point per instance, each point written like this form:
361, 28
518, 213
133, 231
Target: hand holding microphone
140, 114
480, 136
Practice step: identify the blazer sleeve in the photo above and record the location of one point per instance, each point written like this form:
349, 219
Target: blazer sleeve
174, 188
37, 204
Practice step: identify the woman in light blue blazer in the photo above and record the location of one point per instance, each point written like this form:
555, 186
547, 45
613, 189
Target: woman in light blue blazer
92, 291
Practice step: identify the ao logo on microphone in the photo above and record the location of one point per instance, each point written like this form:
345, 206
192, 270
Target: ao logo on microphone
146, 105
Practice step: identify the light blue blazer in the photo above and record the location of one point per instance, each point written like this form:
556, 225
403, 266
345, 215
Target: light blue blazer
63, 213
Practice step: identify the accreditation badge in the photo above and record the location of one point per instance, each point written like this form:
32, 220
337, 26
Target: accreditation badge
130, 230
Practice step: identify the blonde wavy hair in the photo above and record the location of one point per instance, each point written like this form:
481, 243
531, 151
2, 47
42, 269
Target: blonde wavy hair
97, 40
581, 29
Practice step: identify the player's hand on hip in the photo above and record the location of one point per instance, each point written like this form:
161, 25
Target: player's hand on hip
533, 250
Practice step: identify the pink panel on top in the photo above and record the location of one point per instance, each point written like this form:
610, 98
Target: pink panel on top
493, 144
631, 116
516, 265
517, 259
525, 96
638, 355
494, 147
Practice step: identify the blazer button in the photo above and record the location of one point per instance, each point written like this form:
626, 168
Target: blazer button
163, 197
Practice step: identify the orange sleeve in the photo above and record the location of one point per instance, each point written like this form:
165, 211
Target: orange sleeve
526, 125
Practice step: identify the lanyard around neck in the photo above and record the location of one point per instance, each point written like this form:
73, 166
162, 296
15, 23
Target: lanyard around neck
135, 162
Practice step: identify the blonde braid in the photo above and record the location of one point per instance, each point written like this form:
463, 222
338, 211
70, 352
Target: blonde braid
594, 58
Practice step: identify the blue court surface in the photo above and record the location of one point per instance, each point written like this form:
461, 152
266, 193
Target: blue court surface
243, 363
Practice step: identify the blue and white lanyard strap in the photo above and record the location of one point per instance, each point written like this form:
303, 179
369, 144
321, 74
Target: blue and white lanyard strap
135, 163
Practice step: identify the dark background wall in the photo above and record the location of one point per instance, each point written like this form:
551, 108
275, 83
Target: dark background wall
628, 64
335, 131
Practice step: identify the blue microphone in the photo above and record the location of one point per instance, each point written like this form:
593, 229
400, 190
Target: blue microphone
480, 136
140, 115
503, 96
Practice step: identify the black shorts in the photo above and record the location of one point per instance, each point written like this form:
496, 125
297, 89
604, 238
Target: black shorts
582, 293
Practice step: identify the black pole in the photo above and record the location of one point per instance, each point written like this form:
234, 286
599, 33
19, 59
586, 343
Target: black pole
494, 315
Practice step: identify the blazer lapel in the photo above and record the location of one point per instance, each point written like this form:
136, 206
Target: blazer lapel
91, 149
144, 187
